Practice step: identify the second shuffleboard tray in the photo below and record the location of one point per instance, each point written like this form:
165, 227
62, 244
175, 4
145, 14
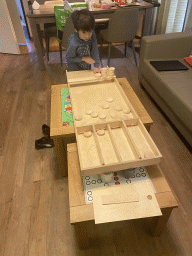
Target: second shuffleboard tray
115, 146
110, 136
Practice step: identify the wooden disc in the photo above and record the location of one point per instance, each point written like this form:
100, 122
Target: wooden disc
78, 117
88, 111
124, 117
87, 134
94, 115
98, 75
105, 106
102, 116
107, 177
109, 99
148, 154
118, 108
113, 115
126, 110
101, 132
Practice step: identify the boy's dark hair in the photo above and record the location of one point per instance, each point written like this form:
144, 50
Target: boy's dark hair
83, 20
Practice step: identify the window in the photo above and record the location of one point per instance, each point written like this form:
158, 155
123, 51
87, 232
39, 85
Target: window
176, 16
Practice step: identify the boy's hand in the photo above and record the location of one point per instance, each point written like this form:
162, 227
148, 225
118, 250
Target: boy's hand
88, 60
96, 70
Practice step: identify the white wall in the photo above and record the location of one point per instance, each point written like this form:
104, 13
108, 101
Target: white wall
8, 40
14, 14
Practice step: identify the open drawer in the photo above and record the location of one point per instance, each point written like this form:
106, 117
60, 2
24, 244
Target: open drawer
115, 146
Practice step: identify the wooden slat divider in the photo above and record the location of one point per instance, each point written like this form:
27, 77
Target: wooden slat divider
131, 141
79, 153
122, 161
98, 146
114, 144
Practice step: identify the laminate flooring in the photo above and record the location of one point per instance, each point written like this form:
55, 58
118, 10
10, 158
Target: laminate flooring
34, 207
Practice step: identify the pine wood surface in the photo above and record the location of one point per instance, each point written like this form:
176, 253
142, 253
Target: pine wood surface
89, 95
111, 212
81, 212
62, 134
34, 204
92, 151
57, 128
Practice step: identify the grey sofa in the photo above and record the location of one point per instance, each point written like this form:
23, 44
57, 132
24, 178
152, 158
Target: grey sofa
171, 90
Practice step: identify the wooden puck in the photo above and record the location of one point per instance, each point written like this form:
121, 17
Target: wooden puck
87, 134
148, 154
126, 110
101, 132
78, 117
109, 99
113, 115
125, 117
88, 111
118, 108
105, 106
102, 116
94, 115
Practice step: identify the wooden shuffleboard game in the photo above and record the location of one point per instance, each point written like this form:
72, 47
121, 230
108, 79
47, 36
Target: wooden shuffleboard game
110, 136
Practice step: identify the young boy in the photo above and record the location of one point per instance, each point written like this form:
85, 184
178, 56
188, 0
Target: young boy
82, 49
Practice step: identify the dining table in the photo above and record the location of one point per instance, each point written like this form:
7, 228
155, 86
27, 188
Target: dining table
45, 14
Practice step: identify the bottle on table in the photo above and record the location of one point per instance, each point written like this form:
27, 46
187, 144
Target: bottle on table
30, 7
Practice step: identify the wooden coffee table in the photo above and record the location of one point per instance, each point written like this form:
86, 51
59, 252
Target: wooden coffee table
81, 213
63, 135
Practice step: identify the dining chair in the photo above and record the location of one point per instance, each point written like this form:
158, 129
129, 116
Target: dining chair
67, 31
50, 30
121, 29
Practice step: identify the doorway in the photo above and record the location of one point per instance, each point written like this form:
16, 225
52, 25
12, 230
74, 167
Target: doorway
23, 19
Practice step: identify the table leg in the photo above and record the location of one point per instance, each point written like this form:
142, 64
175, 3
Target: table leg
61, 156
37, 43
60, 149
147, 22
81, 235
40, 39
158, 224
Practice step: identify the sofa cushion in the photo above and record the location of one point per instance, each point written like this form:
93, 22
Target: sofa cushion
175, 87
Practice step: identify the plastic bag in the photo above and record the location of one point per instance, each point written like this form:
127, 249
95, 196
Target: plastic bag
63, 12
61, 16
67, 5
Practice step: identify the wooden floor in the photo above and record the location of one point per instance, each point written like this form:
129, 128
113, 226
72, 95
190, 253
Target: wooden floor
34, 207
